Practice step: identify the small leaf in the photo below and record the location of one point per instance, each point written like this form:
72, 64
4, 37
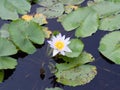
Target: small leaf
9, 9
55, 88
110, 46
7, 47
83, 58
76, 46
110, 23
1, 75
24, 33
47, 32
40, 19
7, 63
84, 19
76, 76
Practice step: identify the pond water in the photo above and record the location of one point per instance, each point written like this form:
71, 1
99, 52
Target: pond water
27, 76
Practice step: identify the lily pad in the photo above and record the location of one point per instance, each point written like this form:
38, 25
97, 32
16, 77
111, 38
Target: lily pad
52, 11
7, 47
4, 31
7, 63
110, 46
71, 2
23, 34
110, 23
76, 76
9, 9
83, 58
106, 8
1, 75
76, 46
85, 20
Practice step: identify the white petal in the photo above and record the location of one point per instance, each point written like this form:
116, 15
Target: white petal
67, 49
59, 36
63, 38
62, 52
55, 52
67, 39
49, 42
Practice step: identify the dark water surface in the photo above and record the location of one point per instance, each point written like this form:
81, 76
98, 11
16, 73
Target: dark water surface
27, 73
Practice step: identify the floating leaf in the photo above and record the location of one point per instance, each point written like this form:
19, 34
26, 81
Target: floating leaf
56, 88
110, 23
53, 11
4, 31
40, 19
72, 2
1, 75
106, 8
7, 63
7, 47
70, 8
37, 18
110, 46
9, 9
47, 32
24, 33
84, 19
83, 58
47, 3
76, 76
76, 46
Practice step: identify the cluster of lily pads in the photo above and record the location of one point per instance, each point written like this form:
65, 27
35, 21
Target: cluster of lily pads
24, 31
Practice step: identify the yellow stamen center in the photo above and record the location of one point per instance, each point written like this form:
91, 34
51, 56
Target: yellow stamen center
59, 45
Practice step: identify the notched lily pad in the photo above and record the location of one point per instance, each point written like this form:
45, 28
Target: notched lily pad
76, 46
106, 8
7, 47
71, 2
51, 11
9, 9
85, 20
76, 76
4, 31
7, 63
23, 34
110, 23
83, 58
110, 46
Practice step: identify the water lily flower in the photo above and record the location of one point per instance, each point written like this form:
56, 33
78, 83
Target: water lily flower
59, 44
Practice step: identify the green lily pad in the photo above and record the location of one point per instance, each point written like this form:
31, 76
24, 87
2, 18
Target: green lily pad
24, 33
76, 47
106, 8
56, 88
4, 31
7, 63
71, 2
9, 9
7, 47
1, 75
83, 58
52, 11
76, 76
85, 20
110, 23
110, 46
